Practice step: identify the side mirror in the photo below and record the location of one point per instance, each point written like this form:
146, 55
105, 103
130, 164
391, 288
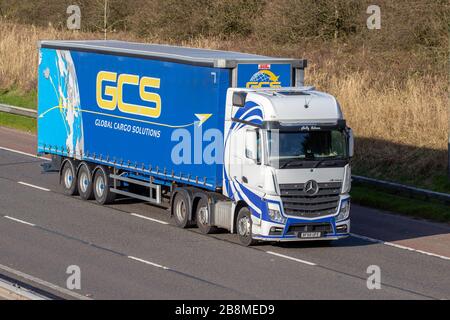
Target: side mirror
351, 143
239, 98
251, 145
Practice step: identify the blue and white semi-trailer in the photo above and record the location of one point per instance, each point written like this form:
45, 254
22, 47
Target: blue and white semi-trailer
226, 139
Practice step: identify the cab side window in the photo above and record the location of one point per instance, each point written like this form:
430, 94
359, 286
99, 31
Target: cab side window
253, 145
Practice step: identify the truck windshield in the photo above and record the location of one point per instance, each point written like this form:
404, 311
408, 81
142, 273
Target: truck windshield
304, 146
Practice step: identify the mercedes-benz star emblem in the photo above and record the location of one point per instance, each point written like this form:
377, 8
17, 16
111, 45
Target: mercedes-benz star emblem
311, 188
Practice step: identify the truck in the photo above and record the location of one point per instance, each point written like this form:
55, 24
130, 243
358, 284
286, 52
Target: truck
224, 140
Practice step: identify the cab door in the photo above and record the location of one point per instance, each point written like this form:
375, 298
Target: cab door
252, 159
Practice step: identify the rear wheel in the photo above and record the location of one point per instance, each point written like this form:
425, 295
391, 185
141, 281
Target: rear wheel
102, 191
244, 227
69, 178
202, 216
181, 210
85, 182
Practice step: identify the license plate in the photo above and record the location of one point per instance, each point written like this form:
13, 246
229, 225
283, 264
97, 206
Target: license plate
310, 235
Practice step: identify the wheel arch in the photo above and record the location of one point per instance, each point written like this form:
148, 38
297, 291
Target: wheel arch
197, 196
74, 163
99, 167
63, 163
89, 165
239, 205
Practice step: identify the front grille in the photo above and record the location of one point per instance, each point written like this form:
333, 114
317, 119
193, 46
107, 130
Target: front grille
325, 228
298, 203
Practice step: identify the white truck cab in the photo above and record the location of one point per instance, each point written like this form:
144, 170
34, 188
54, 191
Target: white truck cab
287, 162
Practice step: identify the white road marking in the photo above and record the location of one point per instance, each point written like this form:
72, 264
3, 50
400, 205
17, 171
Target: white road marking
291, 258
33, 186
148, 218
24, 153
148, 262
398, 246
43, 283
20, 221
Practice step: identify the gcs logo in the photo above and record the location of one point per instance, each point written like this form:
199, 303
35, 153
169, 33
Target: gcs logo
264, 78
116, 98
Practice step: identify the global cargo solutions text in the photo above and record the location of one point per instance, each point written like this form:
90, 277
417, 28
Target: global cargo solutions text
203, 147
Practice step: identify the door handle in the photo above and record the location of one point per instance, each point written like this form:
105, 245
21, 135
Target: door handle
244, 179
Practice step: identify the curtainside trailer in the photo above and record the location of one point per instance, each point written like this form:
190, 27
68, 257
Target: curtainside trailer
225, 139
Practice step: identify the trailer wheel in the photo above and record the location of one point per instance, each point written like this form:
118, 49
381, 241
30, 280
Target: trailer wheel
202, 216
85, 182
244, 227
181, 210
102, 191
68, 178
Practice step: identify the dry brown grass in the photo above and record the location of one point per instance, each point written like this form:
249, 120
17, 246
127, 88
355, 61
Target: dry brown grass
401, 129
400, 120
19, 55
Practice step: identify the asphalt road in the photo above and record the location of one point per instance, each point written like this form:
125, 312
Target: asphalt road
131, 250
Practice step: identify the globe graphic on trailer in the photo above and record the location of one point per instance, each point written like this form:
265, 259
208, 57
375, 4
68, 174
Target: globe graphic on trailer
260, 77
63, 79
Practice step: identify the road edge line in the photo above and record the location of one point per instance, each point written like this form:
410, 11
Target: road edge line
399, 246
24, 153
43, 283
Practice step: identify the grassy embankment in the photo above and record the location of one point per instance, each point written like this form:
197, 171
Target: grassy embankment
18, 99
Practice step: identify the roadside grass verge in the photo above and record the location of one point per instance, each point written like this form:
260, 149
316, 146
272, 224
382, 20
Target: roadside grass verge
18, 98
377, 198
18, 122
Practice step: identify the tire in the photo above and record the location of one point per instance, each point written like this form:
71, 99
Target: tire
100, 185
201, 216
68, 178
244, 227
181, 210
84, 180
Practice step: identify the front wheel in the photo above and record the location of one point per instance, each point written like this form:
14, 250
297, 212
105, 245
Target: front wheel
244, 227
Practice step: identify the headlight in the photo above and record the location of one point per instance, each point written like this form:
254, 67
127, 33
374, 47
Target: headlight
345, 210
275, 214
347, 183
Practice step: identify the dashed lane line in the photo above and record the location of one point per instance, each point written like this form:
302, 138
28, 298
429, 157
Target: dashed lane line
33, 186
148, 262
20, 221
148, 218
291, 258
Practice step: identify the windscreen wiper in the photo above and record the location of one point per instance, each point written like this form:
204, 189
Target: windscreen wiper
292, 163
319, 162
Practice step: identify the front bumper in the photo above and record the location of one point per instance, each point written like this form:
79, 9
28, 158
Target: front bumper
337, 230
